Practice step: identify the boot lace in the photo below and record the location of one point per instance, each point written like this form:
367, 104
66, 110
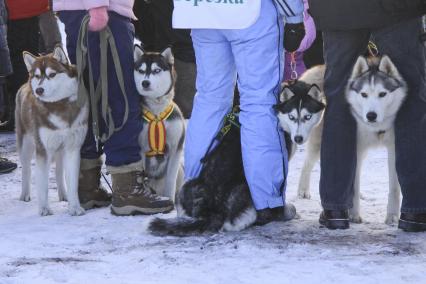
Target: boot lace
141, 187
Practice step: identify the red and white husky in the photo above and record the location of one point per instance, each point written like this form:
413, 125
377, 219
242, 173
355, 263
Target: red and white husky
50, 123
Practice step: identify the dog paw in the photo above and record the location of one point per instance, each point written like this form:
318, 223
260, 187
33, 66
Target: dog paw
25, 198
45, 211
76, 211
391, 219
304, 195
355, 219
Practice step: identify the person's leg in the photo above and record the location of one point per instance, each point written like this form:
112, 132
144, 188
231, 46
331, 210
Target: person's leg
22, 35
216, 77
259, 58
49, 31
185, 86
338, 148
401, 43
123, 146
72, 21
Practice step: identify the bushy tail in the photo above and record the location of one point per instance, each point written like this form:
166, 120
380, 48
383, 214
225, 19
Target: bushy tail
178, 226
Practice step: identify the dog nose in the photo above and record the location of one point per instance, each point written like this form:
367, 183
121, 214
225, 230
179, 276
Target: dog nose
39, 91
371, 116
298, 139
146, 84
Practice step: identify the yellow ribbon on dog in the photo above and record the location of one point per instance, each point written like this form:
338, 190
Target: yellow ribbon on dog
157, 130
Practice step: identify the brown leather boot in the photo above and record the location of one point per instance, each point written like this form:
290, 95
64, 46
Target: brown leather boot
90, 191
131, 195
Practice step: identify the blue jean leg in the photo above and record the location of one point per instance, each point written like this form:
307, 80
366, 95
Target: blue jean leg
258, 54
216, 78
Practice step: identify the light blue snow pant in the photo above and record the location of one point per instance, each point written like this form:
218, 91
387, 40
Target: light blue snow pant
256, 54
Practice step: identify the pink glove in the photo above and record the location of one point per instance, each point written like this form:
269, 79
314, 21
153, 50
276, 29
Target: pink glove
98, 18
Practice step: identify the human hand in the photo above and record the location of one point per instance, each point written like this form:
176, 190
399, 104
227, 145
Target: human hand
293, 36
98, 18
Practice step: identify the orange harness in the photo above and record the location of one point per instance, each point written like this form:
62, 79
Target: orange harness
157, 130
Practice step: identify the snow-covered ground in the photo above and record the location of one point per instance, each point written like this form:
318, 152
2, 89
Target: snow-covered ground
101, 248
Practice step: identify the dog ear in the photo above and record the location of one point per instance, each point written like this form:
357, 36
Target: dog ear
386, 66
315, 92
29, 60
167, 53
286, 94
59, 54
360, 67
137, 52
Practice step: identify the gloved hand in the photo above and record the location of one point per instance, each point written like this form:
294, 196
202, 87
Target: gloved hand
293, 36
98, 18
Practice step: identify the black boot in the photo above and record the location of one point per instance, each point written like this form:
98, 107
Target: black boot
334, 219
280, 214
411, 222
6, 166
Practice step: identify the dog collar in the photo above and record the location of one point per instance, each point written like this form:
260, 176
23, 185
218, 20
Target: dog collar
157, 131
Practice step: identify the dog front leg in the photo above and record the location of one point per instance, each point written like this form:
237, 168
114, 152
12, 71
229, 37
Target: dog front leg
72, 166
394, 201
305, 177
354, 212
25, 154
172, 175
60, 177
42, 180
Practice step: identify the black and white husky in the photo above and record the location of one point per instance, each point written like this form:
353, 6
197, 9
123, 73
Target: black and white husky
163, 133
375, 93
300, 113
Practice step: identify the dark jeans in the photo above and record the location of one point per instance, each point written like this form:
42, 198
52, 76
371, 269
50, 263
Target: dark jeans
338, 152
123, 147
22, 35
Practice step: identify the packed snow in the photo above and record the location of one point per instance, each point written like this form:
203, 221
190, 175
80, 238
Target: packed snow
101, 248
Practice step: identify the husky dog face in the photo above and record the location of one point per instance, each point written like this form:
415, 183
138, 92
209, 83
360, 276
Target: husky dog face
153, 72
51, 77
375, 90
300, 110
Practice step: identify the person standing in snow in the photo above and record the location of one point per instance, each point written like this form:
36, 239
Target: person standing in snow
6, 166
122, 150
244, 38
395, 26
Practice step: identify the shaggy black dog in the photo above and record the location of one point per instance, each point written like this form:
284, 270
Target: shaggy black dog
219, 198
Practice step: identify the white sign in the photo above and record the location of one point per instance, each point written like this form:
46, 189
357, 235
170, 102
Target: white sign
215, 14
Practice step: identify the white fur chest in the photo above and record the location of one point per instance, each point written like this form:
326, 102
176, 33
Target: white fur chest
375, 136
64, 135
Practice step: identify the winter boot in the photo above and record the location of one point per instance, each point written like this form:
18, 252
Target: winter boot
90, 191
131, 194
6, 166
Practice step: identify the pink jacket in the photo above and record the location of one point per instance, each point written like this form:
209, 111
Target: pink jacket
122, 7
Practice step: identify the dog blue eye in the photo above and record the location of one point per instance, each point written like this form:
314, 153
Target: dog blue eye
141, 71
291, 117
382, 94
308, 117
156, 71
51, 75
364, 95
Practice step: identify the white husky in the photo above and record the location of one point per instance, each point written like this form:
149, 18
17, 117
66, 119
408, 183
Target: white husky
163, 133
50, 122
375, 93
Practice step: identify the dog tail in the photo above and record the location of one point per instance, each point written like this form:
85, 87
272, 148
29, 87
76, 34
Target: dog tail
177, 226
